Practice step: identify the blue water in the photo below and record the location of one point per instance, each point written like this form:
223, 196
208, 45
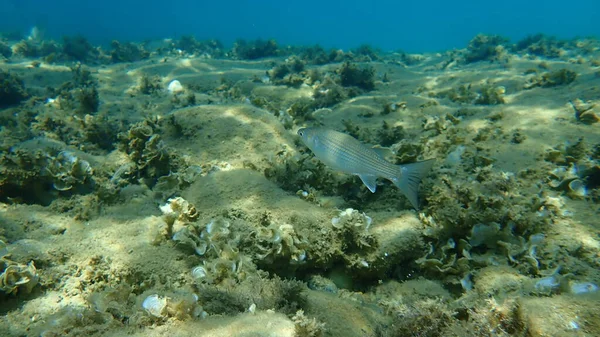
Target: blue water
413, 26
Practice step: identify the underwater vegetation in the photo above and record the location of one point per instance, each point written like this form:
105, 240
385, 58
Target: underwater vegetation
189, 44
485, 48
78, 48
12, 89
127, 52
486, 95
552, 79
252, 50
353, 76
5, 50
541, 45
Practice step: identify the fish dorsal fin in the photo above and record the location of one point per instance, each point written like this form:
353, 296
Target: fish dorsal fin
383, 152
370, 181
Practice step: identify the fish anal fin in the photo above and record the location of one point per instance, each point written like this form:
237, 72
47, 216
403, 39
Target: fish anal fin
370, 181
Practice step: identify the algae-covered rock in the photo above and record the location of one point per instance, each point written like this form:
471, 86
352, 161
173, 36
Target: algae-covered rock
263, 323
17, 278
328, 93
26, 48
12, 89
292, 65
149, 85
552, 79
485, 48
488, 94
148, 151
208, 48
586, 112
562, 315
491, 95
541, 45
352, 75
252, 50
68, 171
78, 48
127, 52
5, 50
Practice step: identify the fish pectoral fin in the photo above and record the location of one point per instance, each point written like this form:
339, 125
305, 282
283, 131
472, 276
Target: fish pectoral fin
370, 181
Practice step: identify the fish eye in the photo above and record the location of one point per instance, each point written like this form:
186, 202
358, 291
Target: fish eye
300, 133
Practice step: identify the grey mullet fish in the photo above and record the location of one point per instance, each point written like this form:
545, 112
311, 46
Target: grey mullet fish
344, 153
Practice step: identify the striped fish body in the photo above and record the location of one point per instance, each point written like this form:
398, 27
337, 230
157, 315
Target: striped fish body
344, 153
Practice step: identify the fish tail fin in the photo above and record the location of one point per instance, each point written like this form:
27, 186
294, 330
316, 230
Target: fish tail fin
409, 177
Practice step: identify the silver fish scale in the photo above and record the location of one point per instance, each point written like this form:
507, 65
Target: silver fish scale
352, 156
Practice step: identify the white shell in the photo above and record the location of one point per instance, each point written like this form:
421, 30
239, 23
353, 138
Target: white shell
175, 87
201, 247
583, 288
546, 283
199, 272
577, 188
155, 305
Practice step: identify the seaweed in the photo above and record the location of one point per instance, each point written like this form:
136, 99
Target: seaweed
50, 51
145, 147
189, 44
540, 45
12, 89
315, 55
485, 48
82, 77
559, 77
410, 59
329, 94
21, 178
368, 52
81, 93
490, 95
78, 48
460, 94
222, 302
88, 100
423, 318
5, 50
101, 131
127, 52
301, 110
26, 48
289, 72
279, 72
253, 50
552, 79
149, 85
389, 135
37, 175
353, 76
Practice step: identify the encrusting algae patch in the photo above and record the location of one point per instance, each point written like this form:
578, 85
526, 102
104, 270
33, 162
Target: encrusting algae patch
172, 195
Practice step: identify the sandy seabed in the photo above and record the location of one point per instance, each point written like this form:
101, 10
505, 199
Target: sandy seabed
504, 244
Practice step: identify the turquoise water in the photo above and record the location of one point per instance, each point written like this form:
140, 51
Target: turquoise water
413, 26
